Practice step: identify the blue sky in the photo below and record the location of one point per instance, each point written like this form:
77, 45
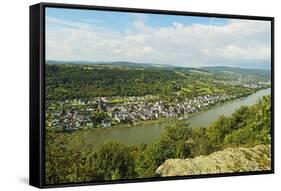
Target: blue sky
120, 20
78, 34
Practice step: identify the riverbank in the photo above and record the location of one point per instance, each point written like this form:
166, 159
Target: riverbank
174, 119
149, 131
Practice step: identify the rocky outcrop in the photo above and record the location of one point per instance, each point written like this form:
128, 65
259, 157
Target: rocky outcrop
257, 158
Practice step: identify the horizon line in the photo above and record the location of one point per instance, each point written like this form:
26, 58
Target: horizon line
151, 63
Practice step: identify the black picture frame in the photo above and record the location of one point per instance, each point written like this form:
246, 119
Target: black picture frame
37, 92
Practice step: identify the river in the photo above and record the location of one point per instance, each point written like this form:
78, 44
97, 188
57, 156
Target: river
150, 131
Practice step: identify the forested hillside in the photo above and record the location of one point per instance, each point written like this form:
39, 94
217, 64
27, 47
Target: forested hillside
68, 159
70, 81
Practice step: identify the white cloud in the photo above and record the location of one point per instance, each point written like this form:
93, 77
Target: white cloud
249, 53
139, 25
178, 25
238, 42
147, 50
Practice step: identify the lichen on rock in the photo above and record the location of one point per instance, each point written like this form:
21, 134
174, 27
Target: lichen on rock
229, 160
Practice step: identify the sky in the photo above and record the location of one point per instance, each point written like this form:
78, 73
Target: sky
90, 35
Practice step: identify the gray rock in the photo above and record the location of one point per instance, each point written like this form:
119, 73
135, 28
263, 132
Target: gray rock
229, 160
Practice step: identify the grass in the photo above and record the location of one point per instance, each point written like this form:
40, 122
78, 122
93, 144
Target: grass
116, 101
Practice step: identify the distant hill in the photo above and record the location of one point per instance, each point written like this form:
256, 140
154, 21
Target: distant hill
247, 71
210, 69
115, 63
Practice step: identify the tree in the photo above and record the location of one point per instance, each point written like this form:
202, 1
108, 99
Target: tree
65, 161
98, 117
239, 118
263, 120
216, 132
175, 142
113, 161
254, 127
199, 142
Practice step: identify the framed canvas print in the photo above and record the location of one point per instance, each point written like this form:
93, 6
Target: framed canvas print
127, 95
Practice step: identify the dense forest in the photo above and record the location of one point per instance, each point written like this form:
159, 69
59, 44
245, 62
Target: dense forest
74, 161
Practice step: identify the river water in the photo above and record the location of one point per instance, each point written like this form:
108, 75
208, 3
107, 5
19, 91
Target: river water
150, 131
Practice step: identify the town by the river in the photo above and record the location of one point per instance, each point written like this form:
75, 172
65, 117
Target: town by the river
149, 131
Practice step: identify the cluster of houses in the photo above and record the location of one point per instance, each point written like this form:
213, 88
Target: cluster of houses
71, 119
244, 83
136, 111
132, 110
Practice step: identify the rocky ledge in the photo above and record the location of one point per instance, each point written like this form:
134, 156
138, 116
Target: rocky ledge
229, 160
